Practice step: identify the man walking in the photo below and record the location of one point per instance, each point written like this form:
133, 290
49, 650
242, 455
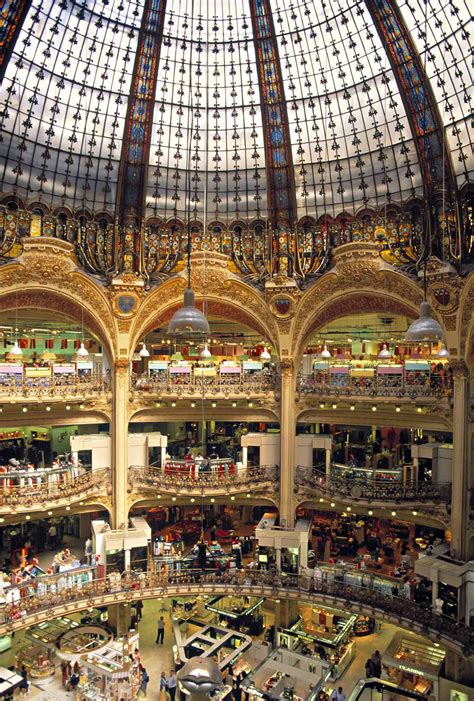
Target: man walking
160, 633
171, 683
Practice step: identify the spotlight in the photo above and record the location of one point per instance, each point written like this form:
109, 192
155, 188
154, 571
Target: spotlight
333, 505
68, 508
352, 407
213, 404
173, 498
173, 404
234, 404
248, 495
1, 408
193, 405
419, 409
48, 408
250, 405
415, 513
398, 408
192, 500
50, 513
374, 407
334, 406
349, 508
157, 405
81, 406
68, 407
212, 500
27, 517
321, 499
232, 498
394, 513
322, 405
24, 409
370, 512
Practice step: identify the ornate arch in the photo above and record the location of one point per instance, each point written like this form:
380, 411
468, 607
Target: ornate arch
46, 278
225, 295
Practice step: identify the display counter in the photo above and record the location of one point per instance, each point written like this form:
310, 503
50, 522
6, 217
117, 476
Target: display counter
239, 612
414, 663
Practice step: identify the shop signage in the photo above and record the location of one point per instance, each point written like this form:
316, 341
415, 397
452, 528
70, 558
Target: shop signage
411, 670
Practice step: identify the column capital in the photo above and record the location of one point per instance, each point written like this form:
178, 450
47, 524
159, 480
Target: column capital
460, 369
287, 366
122, 365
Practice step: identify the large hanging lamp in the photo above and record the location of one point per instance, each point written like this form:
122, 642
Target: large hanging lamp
82, 351
189, 322
325, 353
15, 350
205, 353
265, 354
144, 352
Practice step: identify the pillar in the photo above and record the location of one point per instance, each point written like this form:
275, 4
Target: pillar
328, 461
460, 471
119, 434
286, 613
119, 616
163, 458
287, 444
245, 454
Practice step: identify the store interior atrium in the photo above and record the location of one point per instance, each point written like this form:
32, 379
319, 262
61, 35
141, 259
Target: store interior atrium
236, 350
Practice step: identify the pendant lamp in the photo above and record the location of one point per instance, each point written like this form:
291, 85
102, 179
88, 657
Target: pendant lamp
82, 351
16, 350
385, 353
205, 353
443, 352
265, 355
325, 353
425, 328
144, 352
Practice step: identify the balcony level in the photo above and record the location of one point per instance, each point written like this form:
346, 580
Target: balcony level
31, 607
369, 492
219, 478
35, 389
23, 492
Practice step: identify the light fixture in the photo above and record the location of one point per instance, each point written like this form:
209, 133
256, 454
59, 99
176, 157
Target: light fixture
425, 328
50, 513
27, 517
443, 352
232, 498
81, 406
374, 407
213, 404
212, 500
352, 407
370, 512
334, 406
173, 404
349, 508
192, 500
419, 409
173, 498
15, 350
234, 404
82, 351
157, 405
68, 508
265, 355
248, 495
332, 505
415, 513
48, 408
250, 405
68, 407
205, 353
24, 409
394, 513
193, 405
325, 353
322, 405
398, 408
144, 352
385, 353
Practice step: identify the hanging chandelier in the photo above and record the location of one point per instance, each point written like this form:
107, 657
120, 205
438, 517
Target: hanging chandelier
144, 352
385, 353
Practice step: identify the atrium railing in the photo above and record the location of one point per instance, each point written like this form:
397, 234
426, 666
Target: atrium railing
407, 384
371, 489
222, 474
55, 388
28, 489
142, 585
192, 382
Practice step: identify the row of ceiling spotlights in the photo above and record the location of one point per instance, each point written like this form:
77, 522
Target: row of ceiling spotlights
48, 407
374, 407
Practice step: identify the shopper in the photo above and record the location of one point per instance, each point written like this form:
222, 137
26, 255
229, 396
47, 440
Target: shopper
144, 680
369, 669
377, 663
160, 633
338, 695
171, 683
163, 687
139, 609
52, 536
24, 684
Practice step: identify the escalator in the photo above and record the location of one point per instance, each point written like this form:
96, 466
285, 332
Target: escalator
381, 690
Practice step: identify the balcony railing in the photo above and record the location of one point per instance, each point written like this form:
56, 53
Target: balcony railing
371, 489
407, 384
218, 475
32, 606
65, 387
26, 490
193, 383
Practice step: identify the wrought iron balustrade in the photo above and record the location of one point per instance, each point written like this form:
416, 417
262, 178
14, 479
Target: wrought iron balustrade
339, 487
397, 386
189, 477
46, 387
193, 383
29, 489
33, 605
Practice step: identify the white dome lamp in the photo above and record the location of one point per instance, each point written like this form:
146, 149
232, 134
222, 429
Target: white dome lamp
325, 353
144, 352
265, 354
443, 352
15, 350
205, 353
82, 351
385, 353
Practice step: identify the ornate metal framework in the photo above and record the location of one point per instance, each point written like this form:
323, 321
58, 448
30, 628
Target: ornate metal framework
11, 21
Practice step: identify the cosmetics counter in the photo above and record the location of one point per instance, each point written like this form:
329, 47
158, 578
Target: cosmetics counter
323, 631
414, 663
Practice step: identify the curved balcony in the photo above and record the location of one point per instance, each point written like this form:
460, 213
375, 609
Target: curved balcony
63, 388
372, 491
221, 478
194, 384
23, 492
35, 603
406, 384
